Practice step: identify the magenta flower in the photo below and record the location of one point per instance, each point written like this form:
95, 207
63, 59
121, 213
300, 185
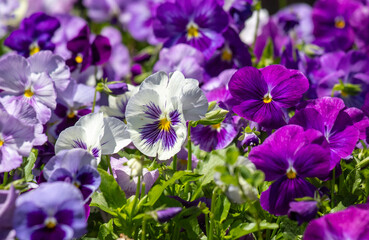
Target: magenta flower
264, 94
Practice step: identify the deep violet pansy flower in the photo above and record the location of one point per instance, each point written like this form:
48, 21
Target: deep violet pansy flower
86, 53
351, 223
232, 54
303, 211
331, 24
264, 94
328, 116
287, 157
166, 214
51, 211
344, 75
156, 115
197, 23
75, 166
33, 35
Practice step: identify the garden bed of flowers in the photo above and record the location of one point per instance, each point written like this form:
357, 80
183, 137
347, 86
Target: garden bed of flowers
184, 119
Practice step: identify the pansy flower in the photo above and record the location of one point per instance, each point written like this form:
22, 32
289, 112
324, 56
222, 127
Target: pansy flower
52, 211
7, 208
75, 166
264, 94
33, 35
197, 23
23, 79
287, 157
328, 116
16, 140
156, 115
84, 53
96, 134
351, 223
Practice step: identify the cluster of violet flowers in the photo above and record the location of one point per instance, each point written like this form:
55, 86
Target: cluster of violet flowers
176, 119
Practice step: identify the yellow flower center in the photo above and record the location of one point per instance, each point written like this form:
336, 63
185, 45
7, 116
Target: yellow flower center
50, 222
267, 98
192, 31
34, 49
78, 58
216, 126
1, 142
227, 55
339, 22
28, 93
164, 124
291, 174
71, 114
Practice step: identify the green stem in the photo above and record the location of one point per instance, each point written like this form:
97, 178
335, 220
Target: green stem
275, 230
175, 163
94, 102
333, 186
189, 146
212, 214
5, 179
138, 187
109, 164
144, 228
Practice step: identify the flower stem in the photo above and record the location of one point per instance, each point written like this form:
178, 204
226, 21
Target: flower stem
212, 213
189, 146
109, 164
5, 179
138, 187
175, 162
94, 102
275, 230
144, 228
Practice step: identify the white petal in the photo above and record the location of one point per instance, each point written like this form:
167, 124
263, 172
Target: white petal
116, 136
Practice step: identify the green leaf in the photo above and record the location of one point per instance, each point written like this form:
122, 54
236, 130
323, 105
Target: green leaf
247, 228
339, 207
28, 176
155, 192
111, 197
232, 154
106, 231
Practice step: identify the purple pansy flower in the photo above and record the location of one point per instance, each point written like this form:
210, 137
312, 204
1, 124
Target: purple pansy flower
122, 175
197, 23
20, 79
359, 21
85, 53
303, 211
16, 140
52, 211
183, 58
331, 24
33, 35
74, 166
240, 11
327, 115
167, 214
7, 14
182, 158
232, 54
351, 223
346, 74
73, 103
264, 94
287, 157
7, 208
